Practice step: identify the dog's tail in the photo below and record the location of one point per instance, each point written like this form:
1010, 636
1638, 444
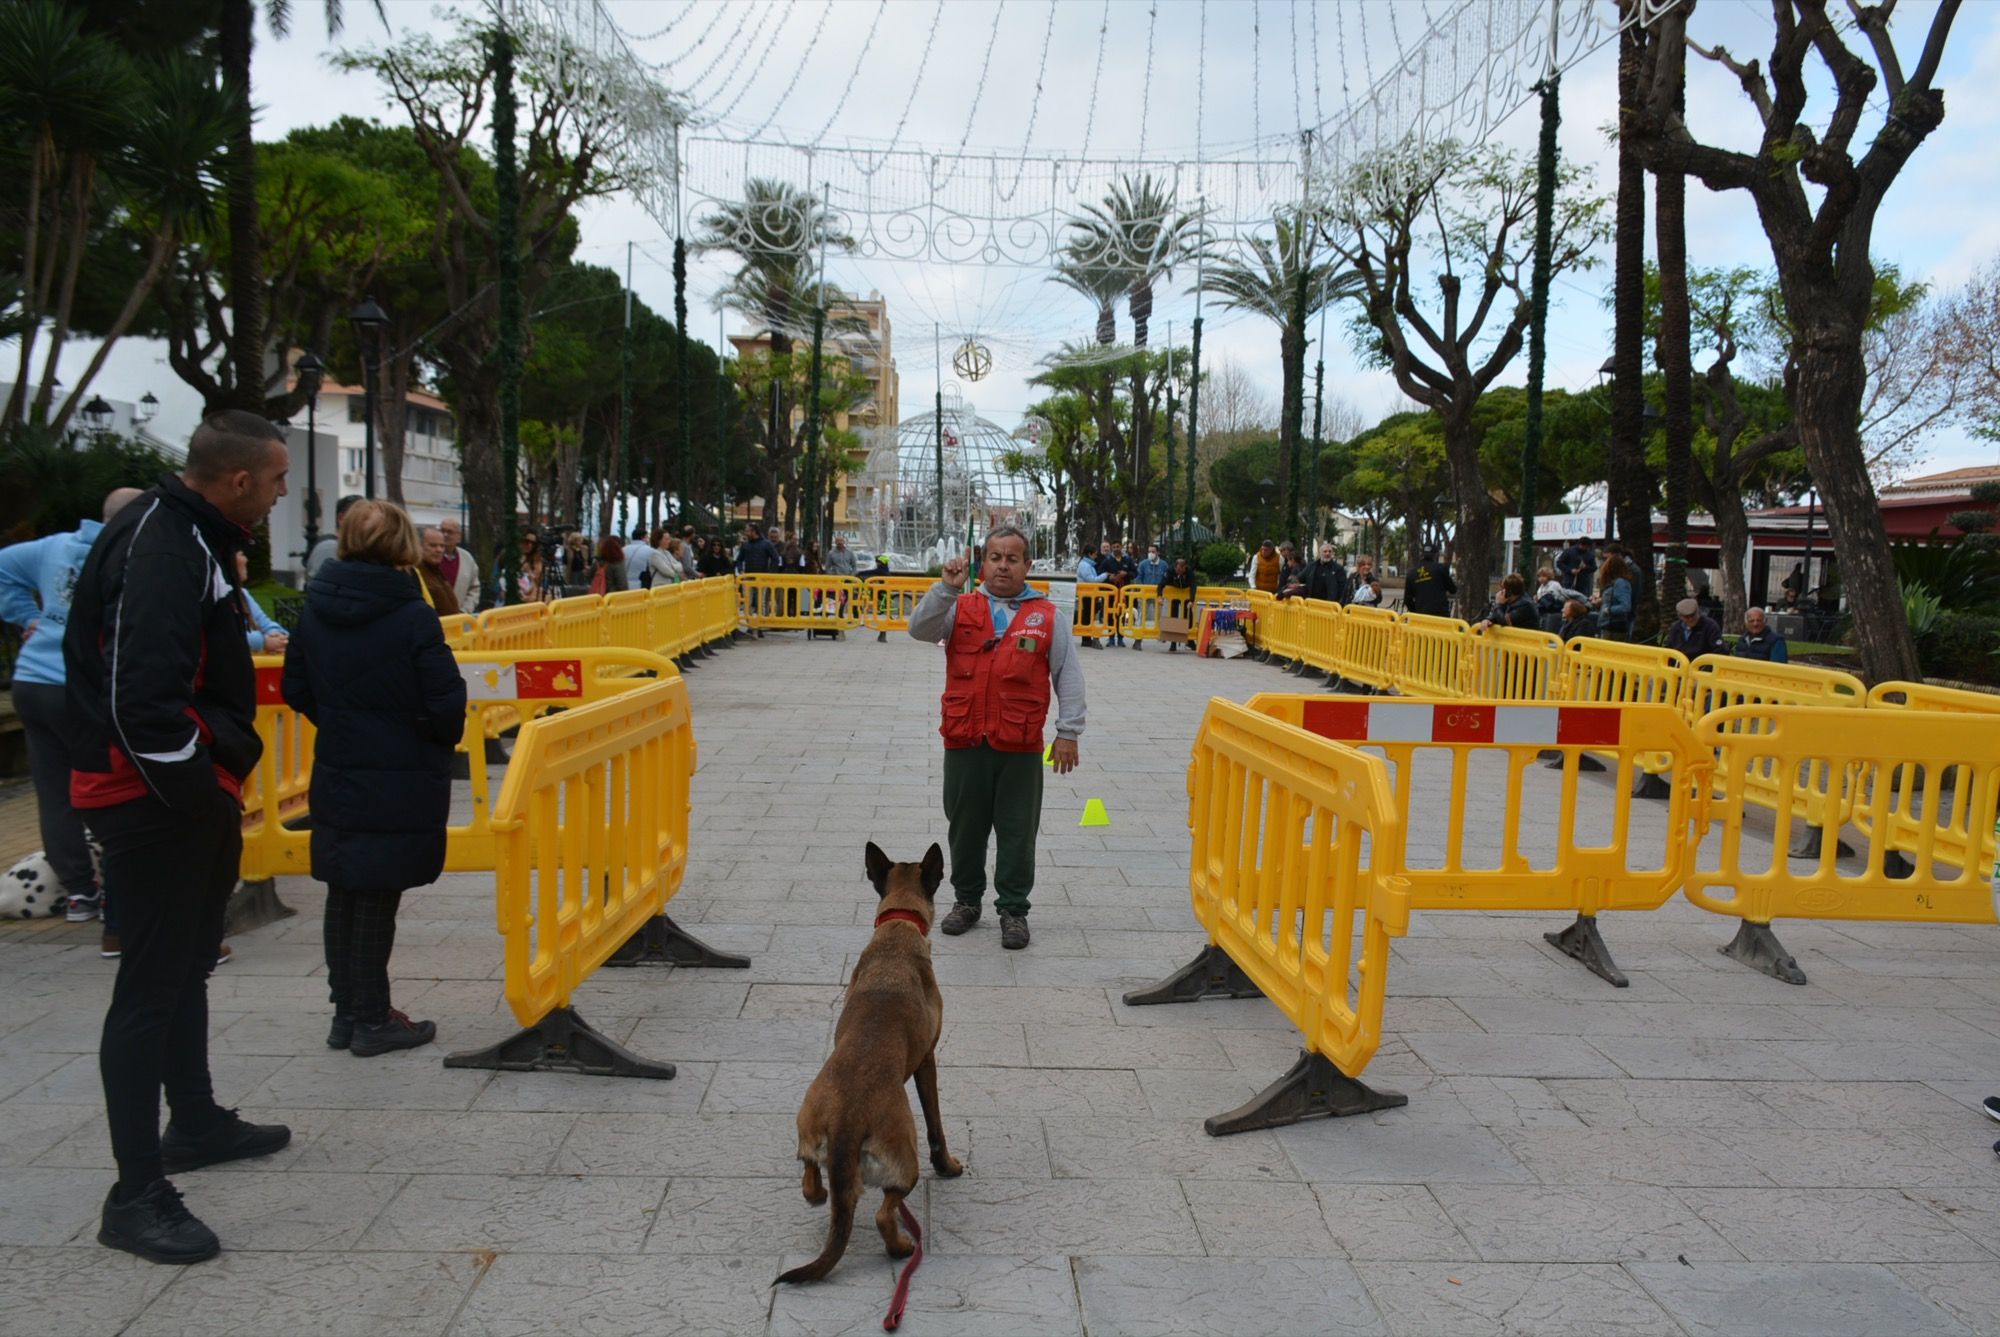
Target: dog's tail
843, 1166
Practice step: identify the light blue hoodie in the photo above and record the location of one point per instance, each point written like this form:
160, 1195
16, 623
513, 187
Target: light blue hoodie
36, 582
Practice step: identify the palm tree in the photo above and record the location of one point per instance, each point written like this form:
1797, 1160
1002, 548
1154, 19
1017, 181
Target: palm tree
777, 230
247, 333
1266, 282
1138, 234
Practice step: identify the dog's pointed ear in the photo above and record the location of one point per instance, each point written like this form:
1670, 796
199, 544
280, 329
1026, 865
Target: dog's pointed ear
933, 870
878, 868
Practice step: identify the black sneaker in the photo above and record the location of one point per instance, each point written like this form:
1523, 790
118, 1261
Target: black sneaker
961, 918
341, 1034
83, 909
234, 1139
1013, 932
157, 1226
398, 1032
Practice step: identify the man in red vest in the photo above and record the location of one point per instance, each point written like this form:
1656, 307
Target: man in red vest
1005, 647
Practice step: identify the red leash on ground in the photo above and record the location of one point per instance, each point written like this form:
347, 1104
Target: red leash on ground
894, 1318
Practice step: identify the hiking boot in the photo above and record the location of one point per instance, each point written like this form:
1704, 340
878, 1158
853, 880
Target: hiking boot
110, 948
961, 918
83, 909
341, 1034
157, 1226
398, 1032
234, 1139
1013, 932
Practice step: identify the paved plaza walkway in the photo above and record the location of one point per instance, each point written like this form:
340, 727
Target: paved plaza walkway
1708, 1151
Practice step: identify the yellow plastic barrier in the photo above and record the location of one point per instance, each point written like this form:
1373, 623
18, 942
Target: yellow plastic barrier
629, 620
1717, 682
1434, 658
1899, 695
1096, 609
1511, 664
576, 623
516, 627
1260, 633
1950, 847
1617, 673
591, 842
1368, 647
503, 687
1951, 833
799, 603
888, 601
1287, 927
279, 788
461, 630
1139, 610
1492, 845
1318, 629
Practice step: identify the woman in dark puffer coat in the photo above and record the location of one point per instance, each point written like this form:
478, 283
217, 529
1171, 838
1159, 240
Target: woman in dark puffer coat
369, 667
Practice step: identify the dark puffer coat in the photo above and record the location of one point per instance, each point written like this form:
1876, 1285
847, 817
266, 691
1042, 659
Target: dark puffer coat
368, 665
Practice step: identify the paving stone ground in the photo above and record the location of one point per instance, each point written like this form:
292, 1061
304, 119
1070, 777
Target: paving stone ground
1708, 1151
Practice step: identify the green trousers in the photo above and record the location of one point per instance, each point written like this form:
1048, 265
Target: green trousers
998, 793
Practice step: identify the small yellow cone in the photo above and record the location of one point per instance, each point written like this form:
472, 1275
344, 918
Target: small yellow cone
1094, 814
1049, 755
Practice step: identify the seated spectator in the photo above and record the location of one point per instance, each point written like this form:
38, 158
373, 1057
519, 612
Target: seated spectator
1577, 620
1759, 641
1512, 608
1694, 632
1367, 585
266, 636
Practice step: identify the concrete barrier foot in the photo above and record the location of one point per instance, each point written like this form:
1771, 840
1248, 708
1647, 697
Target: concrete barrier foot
1210, 975
253, 905
1582, 941
1652, 786
1896, 864
1758, 948
1313, 1089
562, 1042
662, 942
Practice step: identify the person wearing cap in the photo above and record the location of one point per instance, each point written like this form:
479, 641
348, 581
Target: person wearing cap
1694, 632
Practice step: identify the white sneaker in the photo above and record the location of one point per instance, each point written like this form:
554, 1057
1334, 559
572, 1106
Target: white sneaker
1992, 1108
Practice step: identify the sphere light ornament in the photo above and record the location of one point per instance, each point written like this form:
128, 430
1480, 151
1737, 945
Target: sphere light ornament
972, 360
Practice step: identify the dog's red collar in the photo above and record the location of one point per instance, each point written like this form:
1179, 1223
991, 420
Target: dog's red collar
907, 916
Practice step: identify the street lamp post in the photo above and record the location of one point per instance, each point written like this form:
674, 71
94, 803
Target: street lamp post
368, 320
311, 371
97, 413
149, 408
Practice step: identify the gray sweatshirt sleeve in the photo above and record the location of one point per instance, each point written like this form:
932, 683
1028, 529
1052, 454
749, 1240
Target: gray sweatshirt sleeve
935, 613
1066, 674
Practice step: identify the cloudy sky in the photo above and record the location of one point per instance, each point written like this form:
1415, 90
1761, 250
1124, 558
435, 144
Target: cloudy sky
1032, 83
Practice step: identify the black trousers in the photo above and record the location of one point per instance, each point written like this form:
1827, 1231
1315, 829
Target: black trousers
171, 872
360, 934
45, 721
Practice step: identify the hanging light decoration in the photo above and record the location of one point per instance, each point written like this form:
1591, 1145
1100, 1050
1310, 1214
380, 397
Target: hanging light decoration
972, 360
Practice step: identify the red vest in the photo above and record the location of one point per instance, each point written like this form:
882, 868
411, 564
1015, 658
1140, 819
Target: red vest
996, 690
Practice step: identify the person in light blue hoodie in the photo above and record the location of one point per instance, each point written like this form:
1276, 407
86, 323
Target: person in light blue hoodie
37, 579
267, 636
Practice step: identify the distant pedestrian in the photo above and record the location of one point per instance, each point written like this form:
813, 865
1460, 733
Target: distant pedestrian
1090, 609
1176, 589
1367, 586
443, 599
1512, 608
265, 634
1613, 600
457, 566
322, 551
370, 669
1151, 570
1264, 568
1325, 578
610, 573
840, 562
638, 552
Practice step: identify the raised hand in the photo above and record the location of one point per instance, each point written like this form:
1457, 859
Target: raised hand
955, 569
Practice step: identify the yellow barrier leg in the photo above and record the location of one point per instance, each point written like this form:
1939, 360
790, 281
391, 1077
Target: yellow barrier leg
662, 942
1757, 947
1584, 943
1313, 1089
562, 1042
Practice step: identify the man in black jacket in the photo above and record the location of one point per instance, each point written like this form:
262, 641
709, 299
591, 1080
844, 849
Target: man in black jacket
757, 557
1694, 632
1430, 587
1326, 579
162, 704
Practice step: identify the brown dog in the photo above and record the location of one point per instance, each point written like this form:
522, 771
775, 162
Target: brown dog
855, 1127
